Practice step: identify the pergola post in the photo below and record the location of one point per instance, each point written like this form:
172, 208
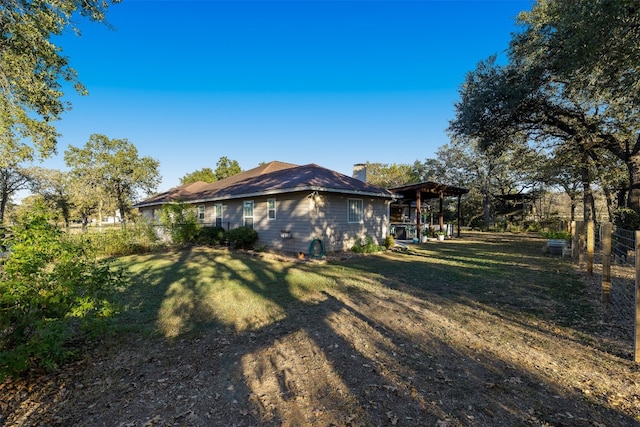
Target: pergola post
441, 213
459, 214
418, 214
430, 190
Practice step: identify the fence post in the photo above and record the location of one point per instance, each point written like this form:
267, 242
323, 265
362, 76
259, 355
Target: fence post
636, 356
591, 243
606, 262
579, 243
574, 241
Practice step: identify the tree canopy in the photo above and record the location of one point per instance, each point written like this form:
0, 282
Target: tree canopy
204, 174
33, 70
12, 179
224, 169
113, 166
390, 175
559, 89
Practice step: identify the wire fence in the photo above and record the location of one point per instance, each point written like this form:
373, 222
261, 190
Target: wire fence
618, 276
623, 244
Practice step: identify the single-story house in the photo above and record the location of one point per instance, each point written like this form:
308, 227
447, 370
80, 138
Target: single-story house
293, 208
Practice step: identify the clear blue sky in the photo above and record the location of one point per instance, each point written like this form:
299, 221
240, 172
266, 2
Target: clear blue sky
328, 82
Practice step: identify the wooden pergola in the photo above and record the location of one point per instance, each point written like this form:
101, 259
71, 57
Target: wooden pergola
430, 190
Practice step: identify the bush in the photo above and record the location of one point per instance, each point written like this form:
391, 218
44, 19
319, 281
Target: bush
556, 235
626, 218
182, 223
365, 245
242, 237
211, 236
389, 242
52, 290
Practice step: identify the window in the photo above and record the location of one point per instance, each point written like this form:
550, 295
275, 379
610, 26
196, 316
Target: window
271, 208
218, 215
200, 212
355, 211
247, 211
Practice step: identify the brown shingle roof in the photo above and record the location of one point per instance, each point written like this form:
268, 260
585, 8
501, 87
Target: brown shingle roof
270, 178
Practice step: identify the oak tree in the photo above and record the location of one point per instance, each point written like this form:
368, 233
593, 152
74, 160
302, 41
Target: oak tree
33, 71
115, 167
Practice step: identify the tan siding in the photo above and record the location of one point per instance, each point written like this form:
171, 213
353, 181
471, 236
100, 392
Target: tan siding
291, 214
306, 216
329, 220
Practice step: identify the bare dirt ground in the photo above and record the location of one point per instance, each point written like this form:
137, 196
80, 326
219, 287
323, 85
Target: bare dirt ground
392, 357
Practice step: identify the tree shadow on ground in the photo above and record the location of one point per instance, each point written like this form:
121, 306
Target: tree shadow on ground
391, 349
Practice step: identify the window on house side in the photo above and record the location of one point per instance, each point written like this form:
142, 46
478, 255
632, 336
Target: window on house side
355, 210
218, 213
271, 208
201, 210
248, 213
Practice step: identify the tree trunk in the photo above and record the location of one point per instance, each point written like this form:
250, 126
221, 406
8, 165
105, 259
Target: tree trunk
486, 202
633, 166
609, 198
587, 197
3, 204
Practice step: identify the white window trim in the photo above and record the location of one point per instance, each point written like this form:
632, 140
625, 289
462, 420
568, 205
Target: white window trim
218, 207
360, 214
202, 209
274, 209
244, 216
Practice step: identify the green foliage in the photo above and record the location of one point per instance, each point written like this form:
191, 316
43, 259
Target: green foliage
114, 167
32, 71
242, 237
366, 245
52, 290
204, 175
226, 168
212, 236
389, 242
556, 235
12, 179
627, 218
118, 242
556, 90
181, 222
390, 175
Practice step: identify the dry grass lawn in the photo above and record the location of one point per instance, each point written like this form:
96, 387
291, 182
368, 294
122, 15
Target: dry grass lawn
485, 330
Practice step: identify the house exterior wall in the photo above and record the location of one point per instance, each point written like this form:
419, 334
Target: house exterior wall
328, 220
306, 216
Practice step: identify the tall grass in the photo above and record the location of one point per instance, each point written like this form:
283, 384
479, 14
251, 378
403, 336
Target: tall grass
137, 238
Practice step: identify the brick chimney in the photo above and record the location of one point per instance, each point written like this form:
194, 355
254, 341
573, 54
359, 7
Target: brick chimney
360, 172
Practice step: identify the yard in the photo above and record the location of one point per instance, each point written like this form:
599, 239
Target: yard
485, 330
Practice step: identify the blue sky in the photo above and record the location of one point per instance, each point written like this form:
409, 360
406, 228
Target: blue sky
328, 82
